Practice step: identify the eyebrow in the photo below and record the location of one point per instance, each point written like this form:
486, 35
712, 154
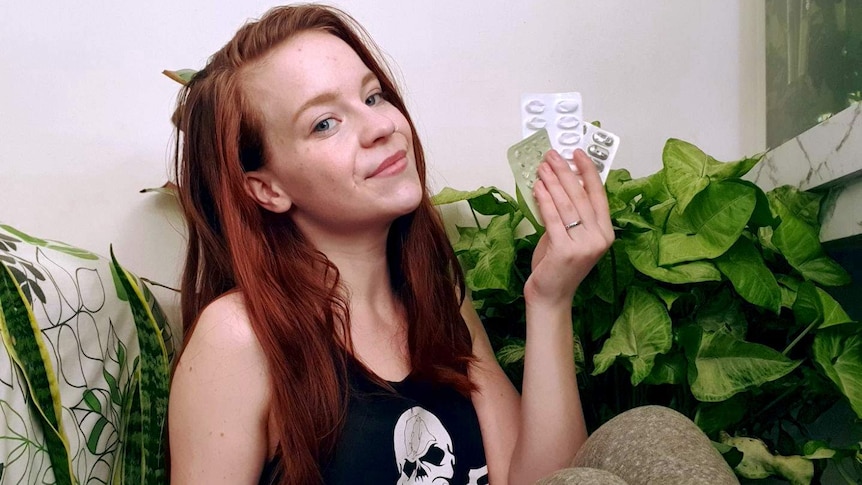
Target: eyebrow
329, 96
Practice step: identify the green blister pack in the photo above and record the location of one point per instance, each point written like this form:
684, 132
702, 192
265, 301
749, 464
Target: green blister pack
524, 159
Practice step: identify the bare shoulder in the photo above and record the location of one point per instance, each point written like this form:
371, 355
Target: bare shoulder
495, 399
474, 324
219, 399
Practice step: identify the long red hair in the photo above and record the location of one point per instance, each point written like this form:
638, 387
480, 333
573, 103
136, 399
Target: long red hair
294, 300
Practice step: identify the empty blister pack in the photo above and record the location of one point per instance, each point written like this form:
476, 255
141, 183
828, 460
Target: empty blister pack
524, 159
601, 146
561, 114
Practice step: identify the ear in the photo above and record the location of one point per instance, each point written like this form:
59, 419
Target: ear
265, 189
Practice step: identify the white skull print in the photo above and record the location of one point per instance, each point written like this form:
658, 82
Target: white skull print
478, 476
423, 449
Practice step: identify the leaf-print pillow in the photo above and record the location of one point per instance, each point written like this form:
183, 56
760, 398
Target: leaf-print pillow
81, 358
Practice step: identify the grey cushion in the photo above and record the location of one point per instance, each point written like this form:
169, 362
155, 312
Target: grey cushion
582, 476
654, 445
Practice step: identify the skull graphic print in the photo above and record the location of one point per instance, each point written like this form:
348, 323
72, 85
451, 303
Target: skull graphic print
424, 451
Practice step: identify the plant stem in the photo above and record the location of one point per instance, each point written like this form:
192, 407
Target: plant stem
771, 404
843, 473
518, 273
809, 328
475, 218
615, 283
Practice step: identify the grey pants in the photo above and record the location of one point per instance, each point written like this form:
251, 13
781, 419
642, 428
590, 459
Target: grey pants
650, 445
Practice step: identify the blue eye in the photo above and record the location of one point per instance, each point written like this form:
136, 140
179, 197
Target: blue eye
324, 125
374, 99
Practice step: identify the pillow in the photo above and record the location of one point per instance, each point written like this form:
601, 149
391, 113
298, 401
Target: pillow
84, 367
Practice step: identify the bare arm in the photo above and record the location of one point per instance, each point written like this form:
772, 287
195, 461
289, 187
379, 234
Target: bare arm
218, 405
532, 436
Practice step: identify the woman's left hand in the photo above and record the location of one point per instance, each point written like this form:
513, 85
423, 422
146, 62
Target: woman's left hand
578, 227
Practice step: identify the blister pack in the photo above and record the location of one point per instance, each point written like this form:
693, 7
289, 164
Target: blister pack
601, 146
524, 158
556, 120
561, 114
558, 113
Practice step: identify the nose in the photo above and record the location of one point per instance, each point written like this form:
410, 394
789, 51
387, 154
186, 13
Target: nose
376, 125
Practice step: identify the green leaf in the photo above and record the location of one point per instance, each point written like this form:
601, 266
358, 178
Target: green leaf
118, 285
731, 455
642, 331
714, 417
720, 365
798, 239
804, 205
815, 306
614, 264
494, 261
615, 180
789, 286
656, 189
182, 76
686, 169
719, 171
667, 369
620, 185
825, 271
817, 450
667, 296
721, 312
132, 452
758, 462
484, 200
762, 214
154, 378
630, 219
642, 250
22, 339
744, 267
660, 213
599, 319
511, 353
839, 353
715, 219
469, 238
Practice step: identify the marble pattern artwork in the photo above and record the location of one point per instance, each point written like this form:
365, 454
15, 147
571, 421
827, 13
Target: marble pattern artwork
821, 155
826, 158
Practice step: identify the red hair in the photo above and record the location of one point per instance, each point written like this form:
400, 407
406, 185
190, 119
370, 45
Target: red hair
293, 297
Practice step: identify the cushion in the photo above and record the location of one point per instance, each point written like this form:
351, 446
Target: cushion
84, 367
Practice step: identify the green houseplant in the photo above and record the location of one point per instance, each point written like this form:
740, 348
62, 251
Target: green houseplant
710, 301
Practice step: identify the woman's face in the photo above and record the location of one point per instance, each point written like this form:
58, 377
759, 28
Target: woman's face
340, 157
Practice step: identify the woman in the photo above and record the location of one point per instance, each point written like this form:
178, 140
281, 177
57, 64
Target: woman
328, 334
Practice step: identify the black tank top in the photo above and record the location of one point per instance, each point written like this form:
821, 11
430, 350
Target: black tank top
423, 433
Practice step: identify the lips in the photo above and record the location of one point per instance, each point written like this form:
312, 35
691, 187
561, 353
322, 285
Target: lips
391, 165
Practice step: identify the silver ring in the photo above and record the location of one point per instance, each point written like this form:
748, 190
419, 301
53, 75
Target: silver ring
572, 224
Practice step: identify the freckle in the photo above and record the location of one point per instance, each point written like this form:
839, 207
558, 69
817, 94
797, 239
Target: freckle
190, 368
221, 434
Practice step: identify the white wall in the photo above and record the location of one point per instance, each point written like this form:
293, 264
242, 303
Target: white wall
84, 109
